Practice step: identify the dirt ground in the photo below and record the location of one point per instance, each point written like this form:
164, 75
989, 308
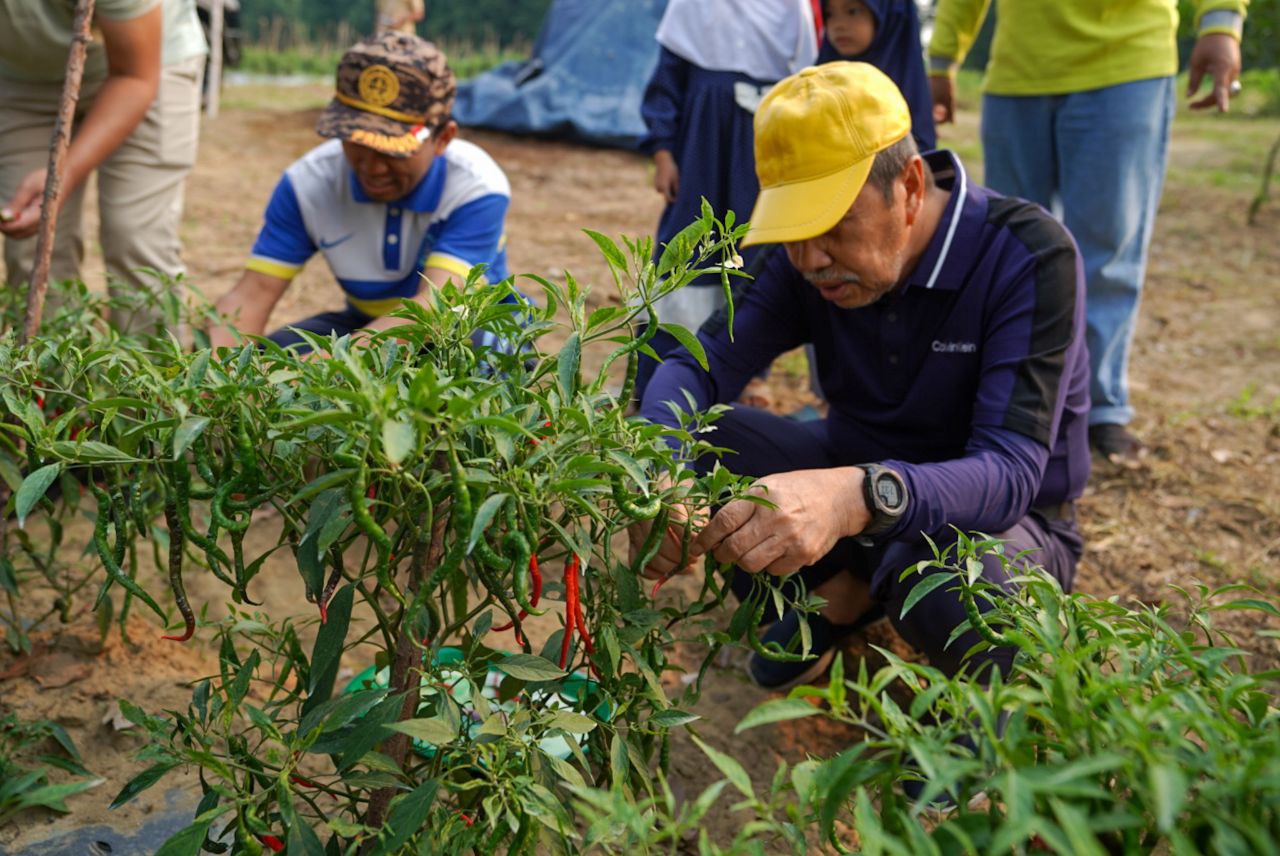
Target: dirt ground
1204, 505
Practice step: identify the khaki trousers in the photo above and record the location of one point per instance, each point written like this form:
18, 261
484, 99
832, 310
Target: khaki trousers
140, 186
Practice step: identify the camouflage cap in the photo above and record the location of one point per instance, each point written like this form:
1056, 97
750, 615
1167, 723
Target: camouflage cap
394, 90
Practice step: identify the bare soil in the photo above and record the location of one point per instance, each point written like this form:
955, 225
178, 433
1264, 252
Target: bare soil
1203, 506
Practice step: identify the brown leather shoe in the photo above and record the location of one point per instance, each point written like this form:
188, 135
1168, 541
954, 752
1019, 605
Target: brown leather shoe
1116, 444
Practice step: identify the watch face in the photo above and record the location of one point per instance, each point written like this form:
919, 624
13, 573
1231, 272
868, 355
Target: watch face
889, 492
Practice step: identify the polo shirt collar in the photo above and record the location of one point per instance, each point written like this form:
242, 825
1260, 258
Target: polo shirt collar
945, 261
424, 197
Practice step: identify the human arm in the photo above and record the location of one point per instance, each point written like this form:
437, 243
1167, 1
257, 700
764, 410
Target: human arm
1032, 353
132, 48
409, 18
955, 26
661, 108
1216, 52
245, 309
282, 248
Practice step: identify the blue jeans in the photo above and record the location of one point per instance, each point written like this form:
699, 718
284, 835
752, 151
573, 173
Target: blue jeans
1096, 159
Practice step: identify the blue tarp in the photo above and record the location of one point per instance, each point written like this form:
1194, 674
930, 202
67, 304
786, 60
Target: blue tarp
585, 79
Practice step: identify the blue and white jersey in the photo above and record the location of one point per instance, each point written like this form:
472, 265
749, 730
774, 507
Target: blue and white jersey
453, 219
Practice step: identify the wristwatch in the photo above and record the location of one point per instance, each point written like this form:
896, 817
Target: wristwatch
886, 497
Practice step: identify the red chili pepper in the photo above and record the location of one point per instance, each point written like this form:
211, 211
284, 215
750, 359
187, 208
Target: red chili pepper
298, 780
534, 595
271, 841
186, 635
661, 581
581, 623
570, 606
466, 818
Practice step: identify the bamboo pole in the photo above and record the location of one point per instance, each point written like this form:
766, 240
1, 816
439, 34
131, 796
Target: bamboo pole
57, 169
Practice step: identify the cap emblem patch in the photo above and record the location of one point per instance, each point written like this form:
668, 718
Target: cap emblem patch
378, 85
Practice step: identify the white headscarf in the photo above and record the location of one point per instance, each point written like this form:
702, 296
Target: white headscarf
766, 39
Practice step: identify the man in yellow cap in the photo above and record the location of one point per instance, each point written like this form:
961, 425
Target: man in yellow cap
947, 323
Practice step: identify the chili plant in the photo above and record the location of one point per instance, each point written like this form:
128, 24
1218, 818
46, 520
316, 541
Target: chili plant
1120, 729
55, 390
422, 484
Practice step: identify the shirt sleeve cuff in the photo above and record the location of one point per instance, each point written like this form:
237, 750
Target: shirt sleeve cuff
271, 267
1223, 21
454, 265
941, 66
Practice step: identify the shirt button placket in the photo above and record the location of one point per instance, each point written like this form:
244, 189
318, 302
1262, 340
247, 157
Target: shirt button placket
391, 245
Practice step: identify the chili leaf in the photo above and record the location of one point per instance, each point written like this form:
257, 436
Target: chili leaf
33, 488
528, 667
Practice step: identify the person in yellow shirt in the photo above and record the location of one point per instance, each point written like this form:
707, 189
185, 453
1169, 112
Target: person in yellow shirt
1077, 105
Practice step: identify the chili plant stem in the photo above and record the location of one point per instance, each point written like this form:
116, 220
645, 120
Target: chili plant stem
425, 558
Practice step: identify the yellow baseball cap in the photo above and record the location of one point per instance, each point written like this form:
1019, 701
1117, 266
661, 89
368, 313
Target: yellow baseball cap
817, 133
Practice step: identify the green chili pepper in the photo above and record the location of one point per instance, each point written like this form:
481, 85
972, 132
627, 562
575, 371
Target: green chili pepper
214, 555
175, 571
631, 351
241, 592
771, 650
646, 510
357, 489
978, 621
113, 556
218, 510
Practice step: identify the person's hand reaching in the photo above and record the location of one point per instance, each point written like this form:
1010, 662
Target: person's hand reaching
20, 216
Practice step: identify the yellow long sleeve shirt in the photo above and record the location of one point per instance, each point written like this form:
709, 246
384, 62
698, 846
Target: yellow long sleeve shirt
1052, 47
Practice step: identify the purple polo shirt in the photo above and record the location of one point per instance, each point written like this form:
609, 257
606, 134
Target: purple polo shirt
971, 379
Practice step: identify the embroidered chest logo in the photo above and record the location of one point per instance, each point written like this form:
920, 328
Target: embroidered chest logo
379, 85
326, 245
939, 347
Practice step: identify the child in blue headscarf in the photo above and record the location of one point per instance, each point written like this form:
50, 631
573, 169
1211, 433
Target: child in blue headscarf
885, 33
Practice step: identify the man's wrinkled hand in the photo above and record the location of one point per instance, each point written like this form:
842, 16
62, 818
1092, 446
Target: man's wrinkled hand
812, 509
666, 561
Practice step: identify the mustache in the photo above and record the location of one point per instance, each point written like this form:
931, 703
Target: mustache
831, 274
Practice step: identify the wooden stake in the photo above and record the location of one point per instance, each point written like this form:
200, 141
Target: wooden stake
214, 84
57, 169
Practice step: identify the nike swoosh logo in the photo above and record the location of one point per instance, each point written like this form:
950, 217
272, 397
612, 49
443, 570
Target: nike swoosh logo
324, 245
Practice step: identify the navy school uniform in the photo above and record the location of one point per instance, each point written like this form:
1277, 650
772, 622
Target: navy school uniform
699, 116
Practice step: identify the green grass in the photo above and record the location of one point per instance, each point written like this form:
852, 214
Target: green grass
322, 59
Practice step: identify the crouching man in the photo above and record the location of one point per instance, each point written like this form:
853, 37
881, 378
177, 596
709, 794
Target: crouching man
948, 328
393, 201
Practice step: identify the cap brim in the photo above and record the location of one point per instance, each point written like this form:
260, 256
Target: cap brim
805, 209
388, 136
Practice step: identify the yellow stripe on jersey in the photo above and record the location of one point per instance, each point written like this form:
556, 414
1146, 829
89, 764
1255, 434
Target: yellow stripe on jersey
376, 308
452, 264
271, 267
